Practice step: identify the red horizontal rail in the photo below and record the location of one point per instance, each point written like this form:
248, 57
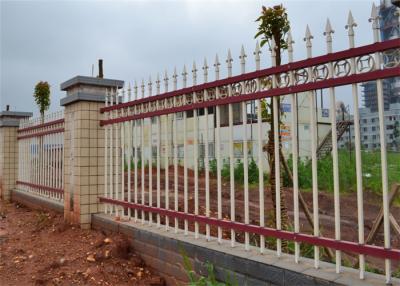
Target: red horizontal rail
50, 123
350, 53
372, 250
333, 82
39, 134
41, 187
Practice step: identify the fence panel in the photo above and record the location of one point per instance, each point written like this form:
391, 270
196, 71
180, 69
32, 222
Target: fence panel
181, 125
41, 153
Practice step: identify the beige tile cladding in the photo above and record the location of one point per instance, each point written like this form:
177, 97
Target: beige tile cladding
8, 160
84, 170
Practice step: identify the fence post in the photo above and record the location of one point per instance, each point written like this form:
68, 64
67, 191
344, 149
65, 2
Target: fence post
9, 123
84, 146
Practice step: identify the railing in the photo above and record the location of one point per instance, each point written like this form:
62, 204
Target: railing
40, 156
145, 135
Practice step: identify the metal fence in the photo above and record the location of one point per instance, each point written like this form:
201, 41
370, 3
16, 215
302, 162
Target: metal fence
40, 156
175, 192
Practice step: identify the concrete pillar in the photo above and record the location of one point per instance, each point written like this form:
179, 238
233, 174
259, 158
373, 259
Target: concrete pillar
84, 146
9, 123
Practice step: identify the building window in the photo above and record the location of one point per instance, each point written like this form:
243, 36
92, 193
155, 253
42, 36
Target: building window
373, 128
365, 137
306, 127
366, 145
364, 121
365, 129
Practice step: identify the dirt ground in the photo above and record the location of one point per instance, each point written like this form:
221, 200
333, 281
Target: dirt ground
38, 248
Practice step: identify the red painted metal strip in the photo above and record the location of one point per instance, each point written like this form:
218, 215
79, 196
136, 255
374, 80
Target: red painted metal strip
355, 52
356, 78
45, 188
39, 134
372, 250
50, 123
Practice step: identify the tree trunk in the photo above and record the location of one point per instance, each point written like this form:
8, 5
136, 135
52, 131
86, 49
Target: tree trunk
272, 180
271, 159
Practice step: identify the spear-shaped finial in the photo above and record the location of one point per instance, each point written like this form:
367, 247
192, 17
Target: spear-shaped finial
290, 43
229, 61
375, 22
242, 58
135, 88
142, 86
158, 83
257, 53
184, 76
175, 79
129, 92
194, 73
165, 81
205, 70
350, 27
308, 37
150, 84
216, 66
328, 33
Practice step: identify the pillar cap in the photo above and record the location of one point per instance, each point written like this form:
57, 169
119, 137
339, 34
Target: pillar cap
91, 81
86, 88
11, 118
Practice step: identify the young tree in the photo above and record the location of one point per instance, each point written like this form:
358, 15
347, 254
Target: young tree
274, 25
42, 97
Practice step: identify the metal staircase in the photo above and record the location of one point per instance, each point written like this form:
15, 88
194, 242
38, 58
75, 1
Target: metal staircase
326, 145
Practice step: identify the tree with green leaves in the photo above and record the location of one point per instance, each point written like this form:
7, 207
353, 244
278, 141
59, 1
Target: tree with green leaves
42, 97
274, 25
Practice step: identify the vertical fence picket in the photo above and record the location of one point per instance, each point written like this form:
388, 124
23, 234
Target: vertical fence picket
257, 58
245, 151
275, 104
143, 202
218, 153
195, 153
150, 190
206, 153
129, 155
332, 110
136, 144
229, 61
357, 142
382, 139
295, 152
175, 139
166, 156
158, 118
185, 155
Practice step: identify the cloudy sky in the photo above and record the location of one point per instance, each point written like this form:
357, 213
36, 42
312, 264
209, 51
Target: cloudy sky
56, 40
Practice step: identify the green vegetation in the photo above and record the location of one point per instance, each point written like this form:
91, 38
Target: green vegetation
238, 171
42, 96
371, 165
209, 280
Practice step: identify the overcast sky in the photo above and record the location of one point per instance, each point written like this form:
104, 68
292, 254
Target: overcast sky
54, 41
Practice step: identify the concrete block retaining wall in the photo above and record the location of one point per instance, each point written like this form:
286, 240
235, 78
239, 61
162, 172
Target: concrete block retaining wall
160, 249
35, 201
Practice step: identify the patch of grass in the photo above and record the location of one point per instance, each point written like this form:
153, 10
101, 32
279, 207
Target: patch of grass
371, 170
238, 171
209, 280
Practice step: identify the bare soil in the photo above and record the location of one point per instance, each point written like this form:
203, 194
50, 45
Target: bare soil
38, 248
